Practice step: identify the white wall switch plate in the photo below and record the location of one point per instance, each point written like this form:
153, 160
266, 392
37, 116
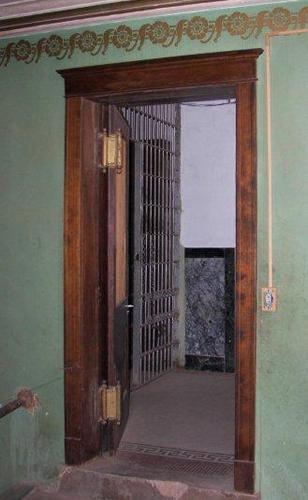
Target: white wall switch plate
269, 299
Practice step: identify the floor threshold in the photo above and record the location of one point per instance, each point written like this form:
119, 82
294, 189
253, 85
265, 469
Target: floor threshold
118, 479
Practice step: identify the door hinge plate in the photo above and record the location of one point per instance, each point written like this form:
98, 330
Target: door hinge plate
110, 397
113, 151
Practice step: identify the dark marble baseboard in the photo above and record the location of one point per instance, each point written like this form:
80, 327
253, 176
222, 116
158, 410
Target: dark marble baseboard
205, 363
209, 321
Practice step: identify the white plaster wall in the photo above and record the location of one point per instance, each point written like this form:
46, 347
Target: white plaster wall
208, 175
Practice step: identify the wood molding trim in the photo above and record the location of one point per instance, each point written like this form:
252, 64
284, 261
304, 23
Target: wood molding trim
244, 476
246, 285
54, 15
163, 79
193, 77
82, 342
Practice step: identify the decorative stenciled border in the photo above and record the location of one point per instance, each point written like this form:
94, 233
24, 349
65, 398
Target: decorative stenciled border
197, 28
162, 451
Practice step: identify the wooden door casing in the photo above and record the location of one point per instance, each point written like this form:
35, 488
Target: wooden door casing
114, 278
82, 318
231, 74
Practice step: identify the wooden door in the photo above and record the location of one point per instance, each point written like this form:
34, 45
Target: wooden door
114, 274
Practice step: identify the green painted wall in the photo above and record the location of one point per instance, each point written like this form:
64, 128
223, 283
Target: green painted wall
32, 159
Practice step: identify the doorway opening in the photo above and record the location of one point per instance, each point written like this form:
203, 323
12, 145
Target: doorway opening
96, 275
182, 247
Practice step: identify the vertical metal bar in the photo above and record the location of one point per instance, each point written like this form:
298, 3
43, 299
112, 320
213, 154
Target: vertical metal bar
143, 275
165, 193
146, 264
155, 213
156, 330
163, 285
162, 198
165, 246
152, 194
161, 210
159, 203
167, 236
173, 228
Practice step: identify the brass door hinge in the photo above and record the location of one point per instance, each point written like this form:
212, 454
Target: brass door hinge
113, 151
110, 397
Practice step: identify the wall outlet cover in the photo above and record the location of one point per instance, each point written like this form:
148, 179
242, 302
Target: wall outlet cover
269, 299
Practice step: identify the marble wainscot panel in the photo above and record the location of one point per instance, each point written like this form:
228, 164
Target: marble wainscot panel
205, 312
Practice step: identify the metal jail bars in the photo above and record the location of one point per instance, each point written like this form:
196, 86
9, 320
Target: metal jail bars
156, 205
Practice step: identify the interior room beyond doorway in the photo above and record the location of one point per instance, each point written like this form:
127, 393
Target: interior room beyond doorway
182, 288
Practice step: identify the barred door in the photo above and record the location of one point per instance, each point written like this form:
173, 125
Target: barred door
155, 133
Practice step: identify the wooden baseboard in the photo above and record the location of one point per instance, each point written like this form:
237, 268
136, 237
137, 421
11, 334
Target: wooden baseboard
73, 451
244, 476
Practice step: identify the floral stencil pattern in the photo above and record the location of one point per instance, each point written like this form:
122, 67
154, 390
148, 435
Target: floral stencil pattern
22, 50
122, 37
238, 24
197, 29
280, 19
159, 32
87, 41
54, 46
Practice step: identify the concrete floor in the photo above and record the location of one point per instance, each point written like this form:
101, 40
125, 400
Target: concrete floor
186, 410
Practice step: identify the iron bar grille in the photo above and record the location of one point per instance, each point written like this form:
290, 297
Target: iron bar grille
157, 129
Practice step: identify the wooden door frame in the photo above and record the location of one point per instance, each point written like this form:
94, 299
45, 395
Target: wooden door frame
164, 80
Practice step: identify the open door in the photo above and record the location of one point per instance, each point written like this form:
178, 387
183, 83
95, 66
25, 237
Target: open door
87, 247
114, 275
155, 217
